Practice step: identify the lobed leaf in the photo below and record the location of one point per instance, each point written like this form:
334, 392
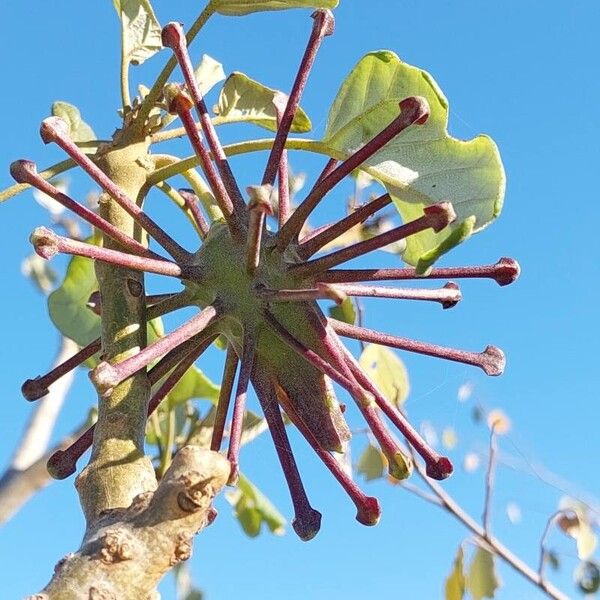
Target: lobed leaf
424, 165
244, 7
243, 99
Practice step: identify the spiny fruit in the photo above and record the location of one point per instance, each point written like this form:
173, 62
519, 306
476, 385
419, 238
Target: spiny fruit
259, 289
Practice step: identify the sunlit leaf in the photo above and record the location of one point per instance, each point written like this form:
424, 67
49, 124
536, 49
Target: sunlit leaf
79, 130
482, 579
387, 371
141, 31
455, 582
244, 100
423, 165
346, 311
208, 73
243, 7
371, 464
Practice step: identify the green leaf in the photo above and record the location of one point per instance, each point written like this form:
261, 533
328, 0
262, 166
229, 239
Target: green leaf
371, 464
208, 73
455, 583
482, 580
68, 308
79, 130
423, 165
140, 29
455, 236
346, 311
253, 508
67, 304
244, 7
193, 384
387, 371
244, 100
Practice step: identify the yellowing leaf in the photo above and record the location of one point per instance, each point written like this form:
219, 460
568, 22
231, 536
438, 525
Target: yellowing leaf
387, 371
482, 579
455, 582
371, 463
243, 7
345, 312
245, 100
423, 165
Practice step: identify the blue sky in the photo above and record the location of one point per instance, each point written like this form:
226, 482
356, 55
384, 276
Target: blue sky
526, 74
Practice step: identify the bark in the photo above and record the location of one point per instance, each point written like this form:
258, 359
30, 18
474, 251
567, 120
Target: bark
126, 552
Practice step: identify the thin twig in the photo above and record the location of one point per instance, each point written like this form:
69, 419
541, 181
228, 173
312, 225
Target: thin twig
448, 503
544, 539
489, 482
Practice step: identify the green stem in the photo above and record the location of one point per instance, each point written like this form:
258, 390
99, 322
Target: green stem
173, 195
50, 172
157, 88
195, 180
125, 96
167, 454
184, 164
